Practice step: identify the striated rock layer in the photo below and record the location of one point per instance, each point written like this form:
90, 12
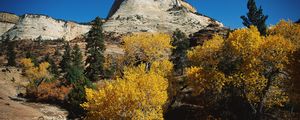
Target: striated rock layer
8, 17
4, 27
127, 16
33, 26
7, 21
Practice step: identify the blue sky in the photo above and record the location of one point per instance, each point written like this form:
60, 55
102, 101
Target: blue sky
226, 11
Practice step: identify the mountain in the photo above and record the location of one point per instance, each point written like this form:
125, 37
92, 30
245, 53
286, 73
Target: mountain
31, 26
127, 16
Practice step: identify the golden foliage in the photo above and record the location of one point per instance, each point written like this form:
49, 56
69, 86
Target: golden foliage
140, 94
202, 80
200, 55
245, 42
35, 73
147, 47
291, 31
114, 64
288, 30
249, 61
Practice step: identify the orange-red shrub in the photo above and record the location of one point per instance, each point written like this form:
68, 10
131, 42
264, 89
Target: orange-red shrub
52, 91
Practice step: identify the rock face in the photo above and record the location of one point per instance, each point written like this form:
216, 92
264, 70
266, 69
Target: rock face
4, 27
33, 26
7, 21
198, 38
127, 16
8, 18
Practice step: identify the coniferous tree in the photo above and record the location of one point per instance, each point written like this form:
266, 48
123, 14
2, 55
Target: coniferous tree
77, 57
2, 45
255, 17
75, 72
75, 76
181, 44
11, 53
66, 58
95, 49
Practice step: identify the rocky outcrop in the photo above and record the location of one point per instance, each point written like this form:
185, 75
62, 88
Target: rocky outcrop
198, 38
30, 27
7, 21
4, 27
127, 16
8, 18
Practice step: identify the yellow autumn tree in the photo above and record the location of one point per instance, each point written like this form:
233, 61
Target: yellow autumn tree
291, 31
288, 30
35, 73
250, 63
139, 94
147, 47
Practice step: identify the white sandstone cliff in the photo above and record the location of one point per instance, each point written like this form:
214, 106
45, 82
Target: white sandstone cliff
7, 21
30, 27
4, 27
127, 16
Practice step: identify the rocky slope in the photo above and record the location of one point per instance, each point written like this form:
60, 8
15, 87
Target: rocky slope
4, 27
15, 108
127, 16
31, 26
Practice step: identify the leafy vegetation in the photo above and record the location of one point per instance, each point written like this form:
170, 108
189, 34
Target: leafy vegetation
138, 95
252, 65
146, 47
250, 74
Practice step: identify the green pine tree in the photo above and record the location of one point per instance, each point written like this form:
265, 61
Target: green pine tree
75, 72
65, 63
77, 57
95, 49
75, 76
11, 53
255, 17
181, 44
2, 45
